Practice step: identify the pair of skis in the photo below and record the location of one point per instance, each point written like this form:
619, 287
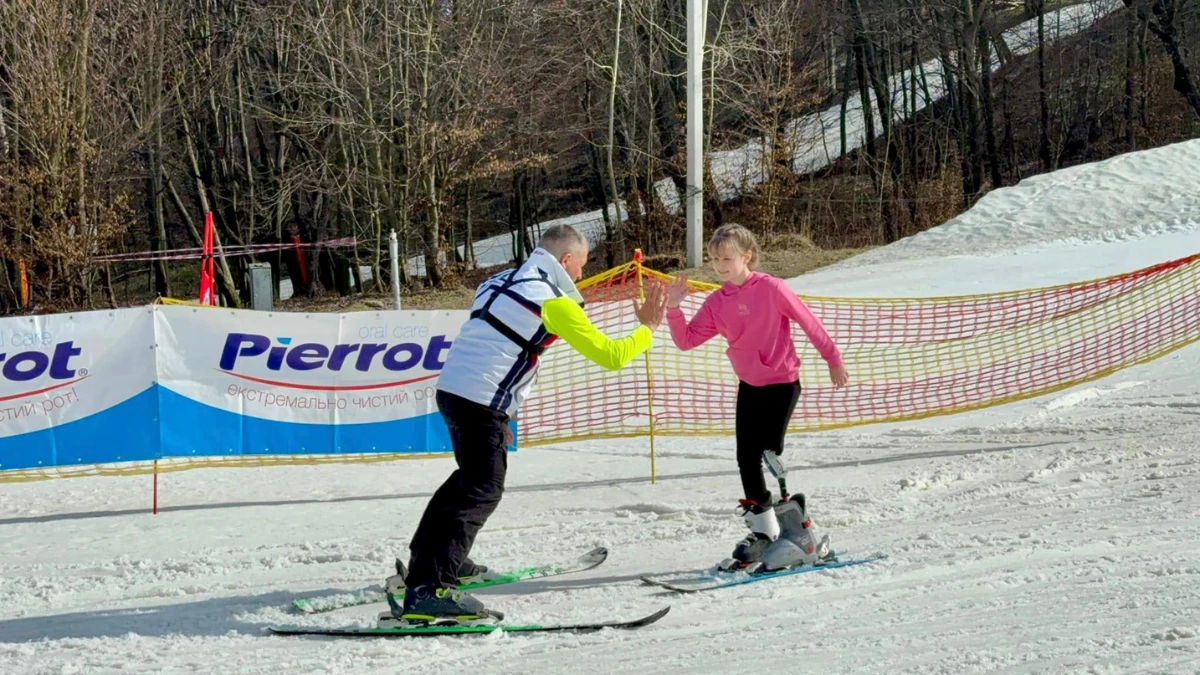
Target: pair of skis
702, 581
587, 561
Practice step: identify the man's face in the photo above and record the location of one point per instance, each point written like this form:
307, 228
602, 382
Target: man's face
573, 262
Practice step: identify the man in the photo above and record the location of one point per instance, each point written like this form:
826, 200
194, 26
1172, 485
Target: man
489, 370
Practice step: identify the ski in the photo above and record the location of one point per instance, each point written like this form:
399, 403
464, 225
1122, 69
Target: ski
711, 582
468, 630
374, 594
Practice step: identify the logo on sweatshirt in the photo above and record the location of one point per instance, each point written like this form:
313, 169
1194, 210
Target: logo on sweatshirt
743, 310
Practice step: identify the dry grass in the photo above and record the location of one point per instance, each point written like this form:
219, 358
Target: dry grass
455, 297
788, 263
783, 256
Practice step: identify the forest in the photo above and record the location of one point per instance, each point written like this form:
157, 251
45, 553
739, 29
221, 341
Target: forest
124, 122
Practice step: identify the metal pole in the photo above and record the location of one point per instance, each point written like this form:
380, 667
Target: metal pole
394, 250
695, 132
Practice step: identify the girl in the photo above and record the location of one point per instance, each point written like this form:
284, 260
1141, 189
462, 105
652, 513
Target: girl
752, 312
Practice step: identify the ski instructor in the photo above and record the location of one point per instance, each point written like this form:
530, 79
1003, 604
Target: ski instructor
489, 370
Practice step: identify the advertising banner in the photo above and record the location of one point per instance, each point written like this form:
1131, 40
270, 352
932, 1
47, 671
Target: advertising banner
176, 381
78, 389
241, 382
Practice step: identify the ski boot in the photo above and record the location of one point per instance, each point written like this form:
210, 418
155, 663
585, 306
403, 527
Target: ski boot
797, 544
433, 606
764, 529
468, 608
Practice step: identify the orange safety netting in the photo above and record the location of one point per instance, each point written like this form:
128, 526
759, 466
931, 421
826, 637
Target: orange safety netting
908, 358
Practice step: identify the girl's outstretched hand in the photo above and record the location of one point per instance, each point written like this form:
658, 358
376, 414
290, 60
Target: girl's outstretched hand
677, 291
839, 376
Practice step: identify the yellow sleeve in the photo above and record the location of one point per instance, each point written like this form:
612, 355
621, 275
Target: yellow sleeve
565, 318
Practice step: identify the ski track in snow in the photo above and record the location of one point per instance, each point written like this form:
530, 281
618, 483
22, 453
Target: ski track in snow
1063, 540
1035, 552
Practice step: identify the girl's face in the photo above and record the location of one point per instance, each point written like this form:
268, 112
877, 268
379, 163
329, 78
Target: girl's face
731, 265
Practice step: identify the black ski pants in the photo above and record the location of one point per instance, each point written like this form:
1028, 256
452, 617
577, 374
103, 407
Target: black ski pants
461, 506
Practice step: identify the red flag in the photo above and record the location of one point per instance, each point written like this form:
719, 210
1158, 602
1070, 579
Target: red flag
300, 260
207, 265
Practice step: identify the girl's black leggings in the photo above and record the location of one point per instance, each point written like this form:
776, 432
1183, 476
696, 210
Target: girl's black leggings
763, 414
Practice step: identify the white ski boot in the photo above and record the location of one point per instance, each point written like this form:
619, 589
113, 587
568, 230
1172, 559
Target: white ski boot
764, 530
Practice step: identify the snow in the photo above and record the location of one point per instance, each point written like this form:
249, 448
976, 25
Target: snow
1055, 535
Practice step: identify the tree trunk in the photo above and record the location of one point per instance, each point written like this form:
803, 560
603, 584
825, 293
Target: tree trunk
845, 99
618, 241
433, 224
428, 150
1164, 27
1010, 148
912, 178
972, 171
1043, 96
516, 215
154, 210
82, 63
892, 157
970, 87
875, 166
468, 244
1131, 24
153, 114
3, 108
1144, 65
864, 96
989, 110
670, 89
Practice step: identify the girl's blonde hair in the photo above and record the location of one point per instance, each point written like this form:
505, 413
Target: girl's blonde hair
741, 239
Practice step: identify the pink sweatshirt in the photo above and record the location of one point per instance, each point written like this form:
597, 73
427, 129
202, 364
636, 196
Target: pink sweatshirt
754, 318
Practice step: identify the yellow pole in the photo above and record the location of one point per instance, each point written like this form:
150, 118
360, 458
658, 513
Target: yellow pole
637, 259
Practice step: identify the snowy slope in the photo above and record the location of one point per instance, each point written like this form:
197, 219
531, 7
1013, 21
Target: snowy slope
1057, 535
1129, 197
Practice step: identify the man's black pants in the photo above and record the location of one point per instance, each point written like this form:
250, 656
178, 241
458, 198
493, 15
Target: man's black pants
762, 420
464, 502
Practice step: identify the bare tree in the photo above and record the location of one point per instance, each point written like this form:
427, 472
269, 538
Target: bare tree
1166, 15
1048, 163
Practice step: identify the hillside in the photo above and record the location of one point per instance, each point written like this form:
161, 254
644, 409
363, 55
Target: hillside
122, 124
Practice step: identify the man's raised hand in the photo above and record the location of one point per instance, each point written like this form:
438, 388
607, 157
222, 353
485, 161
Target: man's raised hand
651, 311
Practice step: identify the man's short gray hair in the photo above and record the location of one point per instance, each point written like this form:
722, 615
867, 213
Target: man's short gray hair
559, 239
